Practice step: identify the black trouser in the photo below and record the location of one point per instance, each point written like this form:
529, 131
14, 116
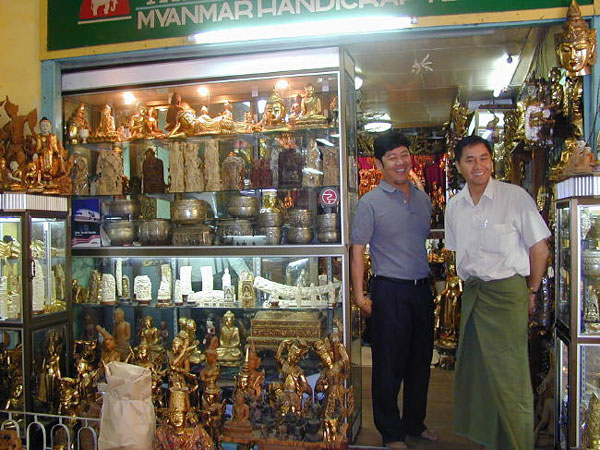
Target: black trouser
402, 346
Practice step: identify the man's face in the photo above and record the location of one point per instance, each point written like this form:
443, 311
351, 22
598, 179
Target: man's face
475, 165
395, 166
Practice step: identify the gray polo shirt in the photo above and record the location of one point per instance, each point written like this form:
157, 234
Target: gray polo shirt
395, 229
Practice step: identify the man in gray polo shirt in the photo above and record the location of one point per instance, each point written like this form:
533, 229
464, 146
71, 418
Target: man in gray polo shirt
394, 220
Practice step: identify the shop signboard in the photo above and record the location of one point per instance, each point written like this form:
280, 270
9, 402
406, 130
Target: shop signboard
80, 23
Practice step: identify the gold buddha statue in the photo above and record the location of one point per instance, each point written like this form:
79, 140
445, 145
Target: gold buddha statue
311, 110
75, 123
449, 312
274, 115
106, 130
187, 332
239, 424
230, 350
149, 336
250, 380
576, 44
591, 431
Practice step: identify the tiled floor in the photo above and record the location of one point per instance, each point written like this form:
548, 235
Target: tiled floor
439, 415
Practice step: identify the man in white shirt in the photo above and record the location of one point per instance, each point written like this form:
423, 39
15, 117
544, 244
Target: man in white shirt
501, 251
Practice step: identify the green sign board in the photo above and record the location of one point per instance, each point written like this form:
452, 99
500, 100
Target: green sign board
81, 23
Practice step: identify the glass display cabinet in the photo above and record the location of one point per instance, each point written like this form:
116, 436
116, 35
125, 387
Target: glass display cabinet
34, 297
219, 192
577, 352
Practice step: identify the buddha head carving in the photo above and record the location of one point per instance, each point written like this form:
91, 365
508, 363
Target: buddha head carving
576, 44
274, 111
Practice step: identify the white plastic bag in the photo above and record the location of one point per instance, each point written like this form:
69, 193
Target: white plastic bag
128, 419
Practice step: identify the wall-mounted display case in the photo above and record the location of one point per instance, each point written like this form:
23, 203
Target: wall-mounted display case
222, 196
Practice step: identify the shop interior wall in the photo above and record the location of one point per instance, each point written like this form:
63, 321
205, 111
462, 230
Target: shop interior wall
20, 68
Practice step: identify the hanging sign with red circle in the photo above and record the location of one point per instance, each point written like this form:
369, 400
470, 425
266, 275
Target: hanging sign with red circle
329, 197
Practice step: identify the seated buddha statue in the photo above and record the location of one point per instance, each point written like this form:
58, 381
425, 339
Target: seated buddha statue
106, 130
230, 350
149, 336
311, 110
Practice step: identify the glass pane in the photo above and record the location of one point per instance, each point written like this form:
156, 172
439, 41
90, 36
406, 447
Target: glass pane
49, 364
589, 383
11, 370
589, 223
563, 395
10, 269
563, 266
48, 252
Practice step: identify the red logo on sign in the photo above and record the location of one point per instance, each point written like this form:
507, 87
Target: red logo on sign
103, 9
329, 197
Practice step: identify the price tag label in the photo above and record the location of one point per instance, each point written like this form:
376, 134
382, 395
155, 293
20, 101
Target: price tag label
329, 197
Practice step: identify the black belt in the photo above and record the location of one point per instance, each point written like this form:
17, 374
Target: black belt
419, 282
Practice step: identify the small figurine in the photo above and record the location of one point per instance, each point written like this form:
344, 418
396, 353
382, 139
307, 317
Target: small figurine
164, 334
150, 337
233, 172
181, 432
246, 293
229, 351
153, 178
76, 122
122, 333
80, 175
109, 170
106, 131
239, 425
291, 164
109, 347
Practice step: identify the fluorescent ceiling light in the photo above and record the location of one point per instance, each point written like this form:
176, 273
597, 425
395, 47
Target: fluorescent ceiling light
377, 127
358, 82
504, 69
352, 25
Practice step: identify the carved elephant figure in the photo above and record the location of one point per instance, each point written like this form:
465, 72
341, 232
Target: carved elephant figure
109, 5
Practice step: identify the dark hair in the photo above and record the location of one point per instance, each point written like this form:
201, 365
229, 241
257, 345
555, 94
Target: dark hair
468, 142
389, 141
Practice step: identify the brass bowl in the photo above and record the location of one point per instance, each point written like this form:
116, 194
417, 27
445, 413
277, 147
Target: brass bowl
188, 211
300, 218
121, 207
242, 206
269, 219
328, 235
119, 232
273, 234
300, 235
193, 235
154, 232
327, 221
234, 227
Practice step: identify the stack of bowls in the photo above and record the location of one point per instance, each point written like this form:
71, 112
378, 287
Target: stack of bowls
118, 224
188, 216
300, 230
327, 228
269, 223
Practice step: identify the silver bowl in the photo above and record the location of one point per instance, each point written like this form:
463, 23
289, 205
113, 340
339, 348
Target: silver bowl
269, 219
591, 263
193, 235
188, 211
300, 235
300, 218
120, 232
327, 221
273, 234
121, 207
328, 235
242, 206
154, 232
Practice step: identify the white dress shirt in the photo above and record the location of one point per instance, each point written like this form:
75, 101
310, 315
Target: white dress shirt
492, 239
